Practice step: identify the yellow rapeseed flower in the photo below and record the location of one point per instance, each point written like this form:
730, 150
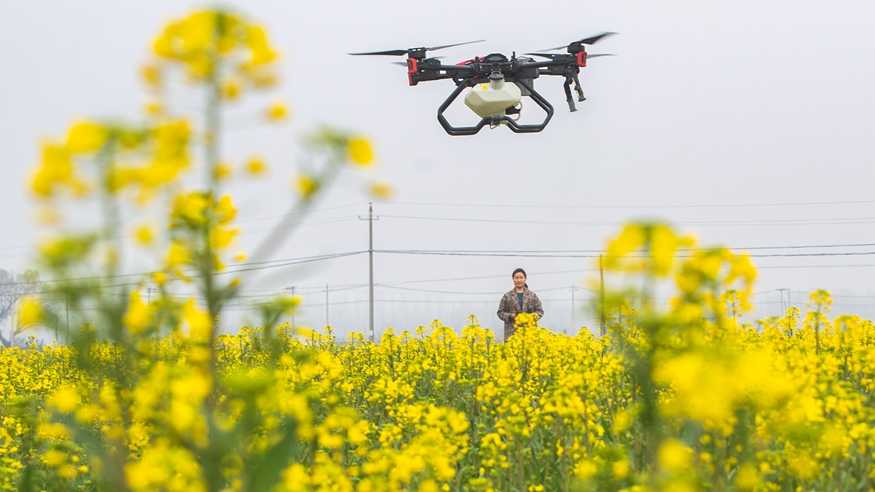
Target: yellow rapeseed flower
151, 75
259, 45
178, 255
48, 216
190, 207
630, 239
747, 477
153, 108
159, 278
381, 190
288, 303
306, 186
359, 151
295, 478
198, 321
225, 210
821, 298
86, 137
586, 469
144, 235
803, 465
56, 172
54, 457
222, 171
30, 312
231, 90
620, 469
65, 399
256, 166
277, 112
53, 430
222, 237
138, 316
674, 455
262, 79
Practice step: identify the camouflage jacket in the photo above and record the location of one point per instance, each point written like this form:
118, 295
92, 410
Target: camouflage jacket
508, 308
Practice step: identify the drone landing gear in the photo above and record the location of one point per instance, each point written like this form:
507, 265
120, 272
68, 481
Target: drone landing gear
495, 120
577, 88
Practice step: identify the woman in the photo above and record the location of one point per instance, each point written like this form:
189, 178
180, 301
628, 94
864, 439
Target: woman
518, 300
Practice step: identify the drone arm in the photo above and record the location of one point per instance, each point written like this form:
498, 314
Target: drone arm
440, 72
455, 69
561, 70
428, 75
547, 64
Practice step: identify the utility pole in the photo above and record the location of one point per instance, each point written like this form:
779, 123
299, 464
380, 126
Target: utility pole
572, 311
326, 306
292, 293
370, 219
787, 309
602, 328
784, 307
781, 309
371, 269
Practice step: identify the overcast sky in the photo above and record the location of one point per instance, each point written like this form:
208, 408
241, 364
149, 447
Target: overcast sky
748, 123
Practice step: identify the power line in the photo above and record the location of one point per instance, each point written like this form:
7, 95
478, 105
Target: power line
601, 251
260, 265
304, 224
438, 291
798, 255
313, 211
473, 293
395, 283
278, 292
485, 277
555, 255
806, 267
246, 307
286, 260
293, 262
840, 296
586, 270
842, 304
312, 288
433, 301
698, 223
641, 206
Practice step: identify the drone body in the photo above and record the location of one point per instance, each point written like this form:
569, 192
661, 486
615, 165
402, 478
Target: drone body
492, 100
498, 83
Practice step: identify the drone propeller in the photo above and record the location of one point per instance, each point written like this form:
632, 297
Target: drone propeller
405, 52
553, 56
404, 64
590, 40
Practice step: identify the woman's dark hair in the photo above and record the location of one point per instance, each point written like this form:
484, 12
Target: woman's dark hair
520, 270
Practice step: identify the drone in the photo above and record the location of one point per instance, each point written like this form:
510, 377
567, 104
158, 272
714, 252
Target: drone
497, 83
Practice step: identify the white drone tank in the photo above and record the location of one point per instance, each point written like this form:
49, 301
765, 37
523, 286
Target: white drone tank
493, 98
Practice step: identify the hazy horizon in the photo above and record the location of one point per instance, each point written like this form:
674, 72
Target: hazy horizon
746, 123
